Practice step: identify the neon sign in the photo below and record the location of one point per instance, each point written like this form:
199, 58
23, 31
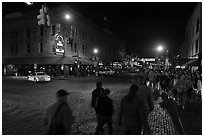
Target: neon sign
59, 44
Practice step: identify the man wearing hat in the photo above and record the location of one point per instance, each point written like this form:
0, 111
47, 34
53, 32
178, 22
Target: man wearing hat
59, 118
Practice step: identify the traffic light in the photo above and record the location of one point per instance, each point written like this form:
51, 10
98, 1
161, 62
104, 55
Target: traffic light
48, 20
44, 17
41, 16
46, 11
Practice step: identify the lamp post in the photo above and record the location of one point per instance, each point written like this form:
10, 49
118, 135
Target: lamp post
163, 56
71, 68
159, 49
95, 51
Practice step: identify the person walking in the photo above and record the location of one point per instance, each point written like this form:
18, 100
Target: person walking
151, 76
189, 88
181, 86
59, 117
132, 115
104, 113
145, 93
96, 94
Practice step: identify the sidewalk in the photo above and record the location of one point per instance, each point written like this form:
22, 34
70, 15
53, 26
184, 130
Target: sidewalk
160, 121
187, 121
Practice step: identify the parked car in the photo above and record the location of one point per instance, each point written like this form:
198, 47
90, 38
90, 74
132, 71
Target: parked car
39, 77
107, 72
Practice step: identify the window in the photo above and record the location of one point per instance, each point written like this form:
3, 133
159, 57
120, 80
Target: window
86, 46
75, 47
28, 48
197, 25
75, 33
40, 47
197, 47
28, 33
71, 44
53, 30
83, 49
16, 47
41, 30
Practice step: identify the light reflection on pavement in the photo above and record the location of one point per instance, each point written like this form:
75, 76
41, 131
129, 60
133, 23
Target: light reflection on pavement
160, 121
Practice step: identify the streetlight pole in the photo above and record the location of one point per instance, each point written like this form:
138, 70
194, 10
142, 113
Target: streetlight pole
95, 51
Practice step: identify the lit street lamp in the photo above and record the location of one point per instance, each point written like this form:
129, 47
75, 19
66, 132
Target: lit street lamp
67, 16
159, 48
95, 51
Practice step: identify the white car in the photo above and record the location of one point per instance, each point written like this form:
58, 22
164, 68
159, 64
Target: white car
39, 77
108, 72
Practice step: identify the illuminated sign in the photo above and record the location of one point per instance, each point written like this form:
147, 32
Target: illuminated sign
147, 59
59, 44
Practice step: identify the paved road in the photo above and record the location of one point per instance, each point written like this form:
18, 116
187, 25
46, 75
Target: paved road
24, 105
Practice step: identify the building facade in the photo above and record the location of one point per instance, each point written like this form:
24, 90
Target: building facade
192, 46
63, 48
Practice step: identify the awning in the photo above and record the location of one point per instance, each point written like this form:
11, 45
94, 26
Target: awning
38, 60
85, 61
192, 63
180, 62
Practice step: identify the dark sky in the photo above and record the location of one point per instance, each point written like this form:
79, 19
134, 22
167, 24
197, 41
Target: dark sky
142, 25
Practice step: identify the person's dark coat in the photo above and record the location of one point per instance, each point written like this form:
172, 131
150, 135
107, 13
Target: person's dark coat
95, 96
105, 106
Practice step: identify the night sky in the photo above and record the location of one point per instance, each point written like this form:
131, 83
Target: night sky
142, 25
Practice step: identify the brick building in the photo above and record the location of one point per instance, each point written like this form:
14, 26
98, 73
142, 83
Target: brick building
65, 47
192, 47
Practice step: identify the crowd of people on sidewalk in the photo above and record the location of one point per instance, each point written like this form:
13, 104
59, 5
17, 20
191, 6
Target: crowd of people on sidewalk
183, 85
134, 107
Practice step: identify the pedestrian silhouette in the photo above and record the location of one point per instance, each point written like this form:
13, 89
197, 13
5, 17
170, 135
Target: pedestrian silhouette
96, 93
104, 113
59, 118
132, 115
145, 93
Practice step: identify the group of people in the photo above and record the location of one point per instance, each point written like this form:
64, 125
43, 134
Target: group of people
183, 84
134, 108
132, 116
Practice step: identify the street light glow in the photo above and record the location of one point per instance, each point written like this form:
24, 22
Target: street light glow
67, 16
95, 51
159, 48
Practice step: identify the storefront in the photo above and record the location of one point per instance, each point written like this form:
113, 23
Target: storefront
54, 66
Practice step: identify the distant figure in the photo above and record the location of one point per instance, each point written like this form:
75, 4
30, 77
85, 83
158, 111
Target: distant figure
104, 113
181, 86
96, 93
199, 85
59, 118
145, 93
151, 76
132, 115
